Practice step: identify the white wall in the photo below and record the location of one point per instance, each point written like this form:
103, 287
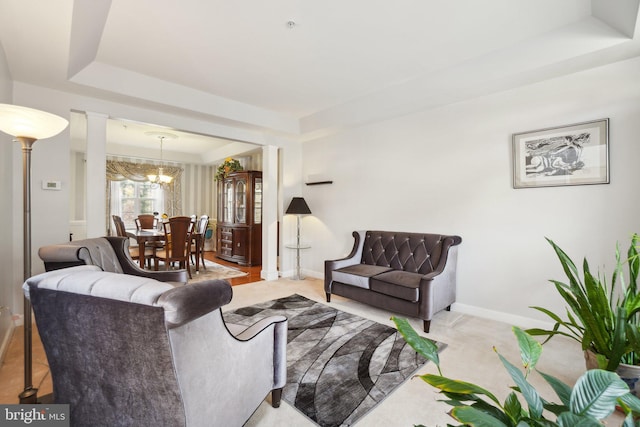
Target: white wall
51, 160
448, 170
7, 270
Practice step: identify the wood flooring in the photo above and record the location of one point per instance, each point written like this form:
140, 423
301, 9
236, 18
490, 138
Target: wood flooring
254, 271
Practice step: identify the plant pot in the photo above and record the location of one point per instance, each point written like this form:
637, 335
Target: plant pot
630, 374
590, 360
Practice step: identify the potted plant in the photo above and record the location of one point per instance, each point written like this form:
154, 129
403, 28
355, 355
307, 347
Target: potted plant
603, 317
593, 398
229, 165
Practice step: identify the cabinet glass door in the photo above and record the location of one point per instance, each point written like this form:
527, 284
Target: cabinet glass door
257, 201
227, 201
241, 200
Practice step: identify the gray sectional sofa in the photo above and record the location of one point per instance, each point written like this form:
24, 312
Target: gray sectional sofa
413, 274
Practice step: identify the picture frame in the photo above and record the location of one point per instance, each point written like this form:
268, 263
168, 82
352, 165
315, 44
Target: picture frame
576, 154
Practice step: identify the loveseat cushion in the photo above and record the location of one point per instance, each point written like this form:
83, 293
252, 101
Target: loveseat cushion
358, 274
412, 252
399, 284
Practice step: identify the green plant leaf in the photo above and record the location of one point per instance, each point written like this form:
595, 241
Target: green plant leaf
529, 393
425, 347
473, 417
530, 349
562, 390
596, 392
631, 402
567, 265
618, 346
458, 387
629, 421
568, 419
513, 408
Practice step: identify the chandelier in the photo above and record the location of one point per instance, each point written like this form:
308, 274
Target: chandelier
160, 177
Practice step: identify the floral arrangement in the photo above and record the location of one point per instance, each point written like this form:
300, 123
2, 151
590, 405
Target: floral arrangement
229, 165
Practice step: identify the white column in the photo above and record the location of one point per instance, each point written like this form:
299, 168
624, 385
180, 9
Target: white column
269, 213
96, 174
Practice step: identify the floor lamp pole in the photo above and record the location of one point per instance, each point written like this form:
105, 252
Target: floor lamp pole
27, 125
29, 394
298, 272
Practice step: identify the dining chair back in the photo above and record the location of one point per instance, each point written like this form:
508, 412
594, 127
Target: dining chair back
197, 247
146, 221
119, 223
134, 250
178, 233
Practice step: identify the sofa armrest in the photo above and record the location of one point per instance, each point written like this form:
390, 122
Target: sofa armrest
354, 257
279, 344
60, 256
121, 248
186, 303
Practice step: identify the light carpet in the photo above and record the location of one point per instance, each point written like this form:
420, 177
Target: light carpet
214, 271
339, 365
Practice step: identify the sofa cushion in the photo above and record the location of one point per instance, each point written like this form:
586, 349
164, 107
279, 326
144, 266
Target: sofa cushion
358, 274
90, 280
399, 284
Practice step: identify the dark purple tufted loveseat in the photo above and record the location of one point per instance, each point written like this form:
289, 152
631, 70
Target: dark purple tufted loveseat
413, 274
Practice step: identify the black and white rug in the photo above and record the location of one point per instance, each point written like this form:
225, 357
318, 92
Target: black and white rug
339, 365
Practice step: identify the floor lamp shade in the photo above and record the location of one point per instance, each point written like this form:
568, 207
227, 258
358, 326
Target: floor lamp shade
27, 126
29, 123
298, 206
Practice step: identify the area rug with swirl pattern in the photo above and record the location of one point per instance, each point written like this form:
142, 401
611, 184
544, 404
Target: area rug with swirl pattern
339, 365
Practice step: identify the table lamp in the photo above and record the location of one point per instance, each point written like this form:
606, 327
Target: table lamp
298, 207
27, 126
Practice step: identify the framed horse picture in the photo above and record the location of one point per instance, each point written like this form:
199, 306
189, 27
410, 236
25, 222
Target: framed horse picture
575, 154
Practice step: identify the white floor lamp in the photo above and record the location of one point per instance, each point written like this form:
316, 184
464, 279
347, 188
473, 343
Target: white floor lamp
27, 126
298, 207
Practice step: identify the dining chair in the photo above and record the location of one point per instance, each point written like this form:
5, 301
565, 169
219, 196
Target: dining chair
178, 232
134, 251
149, 222
197, 247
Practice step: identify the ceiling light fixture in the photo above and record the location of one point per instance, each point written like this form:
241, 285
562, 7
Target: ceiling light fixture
160, 177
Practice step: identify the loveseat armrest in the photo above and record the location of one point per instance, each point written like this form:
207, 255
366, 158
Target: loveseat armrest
449, 251
438, 288
354, 257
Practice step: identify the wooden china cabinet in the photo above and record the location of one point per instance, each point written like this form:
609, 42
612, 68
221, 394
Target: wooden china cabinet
239, 225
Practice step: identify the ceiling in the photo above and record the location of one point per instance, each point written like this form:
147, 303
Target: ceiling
302, 69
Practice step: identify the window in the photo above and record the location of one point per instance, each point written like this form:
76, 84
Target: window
130, 199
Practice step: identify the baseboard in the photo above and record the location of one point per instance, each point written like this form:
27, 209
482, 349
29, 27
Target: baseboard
512, 319
7, 326
269, 275
303, 272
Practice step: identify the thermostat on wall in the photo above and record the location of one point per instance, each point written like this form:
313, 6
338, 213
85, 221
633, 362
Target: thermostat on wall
51, 185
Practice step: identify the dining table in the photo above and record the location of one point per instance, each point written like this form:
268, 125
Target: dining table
145, 235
